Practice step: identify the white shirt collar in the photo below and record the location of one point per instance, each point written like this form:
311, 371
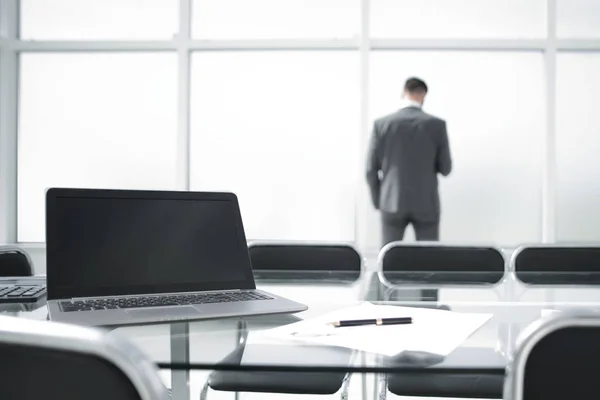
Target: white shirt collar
410, 103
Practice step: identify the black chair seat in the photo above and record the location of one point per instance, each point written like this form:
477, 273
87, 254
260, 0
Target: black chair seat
277, 382
487, 384
432, 384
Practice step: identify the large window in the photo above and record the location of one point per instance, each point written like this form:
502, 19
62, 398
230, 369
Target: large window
104, 120
578, 19
465, 19
578, 145
280, 129
494, 192
274, 100
98, 19
276, 19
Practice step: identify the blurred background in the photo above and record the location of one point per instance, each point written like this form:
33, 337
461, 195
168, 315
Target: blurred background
274, 100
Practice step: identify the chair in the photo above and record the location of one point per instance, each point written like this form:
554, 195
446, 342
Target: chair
423, 265
44, 360
306, 383
310, 263
439, 384
303, 270
432, 265
557, 357
557, 264
14, 262
313, 262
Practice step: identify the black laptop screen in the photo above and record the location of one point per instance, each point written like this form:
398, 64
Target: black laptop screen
126, 245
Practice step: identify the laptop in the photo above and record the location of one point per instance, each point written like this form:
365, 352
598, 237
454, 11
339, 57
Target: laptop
118, 257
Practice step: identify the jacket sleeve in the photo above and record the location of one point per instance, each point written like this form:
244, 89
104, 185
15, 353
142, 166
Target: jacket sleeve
443, 158
374, 166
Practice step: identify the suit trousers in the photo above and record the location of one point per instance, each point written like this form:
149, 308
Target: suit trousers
393, 228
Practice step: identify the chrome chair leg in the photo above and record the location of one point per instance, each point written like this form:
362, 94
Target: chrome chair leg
385, 295
345, 386
382, 386
364, 376
242, 330
204, 391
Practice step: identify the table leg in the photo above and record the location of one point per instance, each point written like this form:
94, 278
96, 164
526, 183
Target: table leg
242, 334
180, 353
363, 363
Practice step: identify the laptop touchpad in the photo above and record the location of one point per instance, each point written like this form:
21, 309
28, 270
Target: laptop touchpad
165, 312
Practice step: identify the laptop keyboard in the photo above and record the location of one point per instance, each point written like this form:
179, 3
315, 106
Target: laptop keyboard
160, 301
21, 293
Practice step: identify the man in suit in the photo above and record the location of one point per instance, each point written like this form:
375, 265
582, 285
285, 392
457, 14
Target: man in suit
408, 150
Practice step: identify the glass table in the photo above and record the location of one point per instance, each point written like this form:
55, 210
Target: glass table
188, 352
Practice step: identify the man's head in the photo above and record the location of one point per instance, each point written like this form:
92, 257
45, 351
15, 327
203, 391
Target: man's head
415, 89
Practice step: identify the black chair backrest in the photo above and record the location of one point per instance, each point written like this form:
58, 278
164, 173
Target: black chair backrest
27, 373
562, 363
14, 262
43, 360
557, 265
281, 261
441, 264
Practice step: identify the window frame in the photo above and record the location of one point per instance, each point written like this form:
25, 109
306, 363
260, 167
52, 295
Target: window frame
183, 44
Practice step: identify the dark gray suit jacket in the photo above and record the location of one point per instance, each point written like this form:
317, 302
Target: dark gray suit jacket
407, 151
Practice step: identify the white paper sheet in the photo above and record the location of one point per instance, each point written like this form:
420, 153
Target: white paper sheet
433, 331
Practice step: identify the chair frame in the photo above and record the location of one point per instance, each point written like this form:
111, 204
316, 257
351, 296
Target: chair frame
242, 337
362, 270
390, 286
343, 391
523, 247
87, 341
363, 263
381, 379
532, 335
16, 249
514, 277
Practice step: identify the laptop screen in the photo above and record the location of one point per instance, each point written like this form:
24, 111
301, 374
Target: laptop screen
102, 243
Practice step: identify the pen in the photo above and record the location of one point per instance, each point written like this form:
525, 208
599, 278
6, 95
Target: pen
376, 321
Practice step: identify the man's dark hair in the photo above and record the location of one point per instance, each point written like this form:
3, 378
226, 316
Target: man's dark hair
415, 85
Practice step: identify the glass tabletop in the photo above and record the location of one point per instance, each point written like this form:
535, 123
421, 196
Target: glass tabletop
239, 344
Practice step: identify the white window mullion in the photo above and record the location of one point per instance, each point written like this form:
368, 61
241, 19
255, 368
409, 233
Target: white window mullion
362, 202
183, 96
549, 170
8, 121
